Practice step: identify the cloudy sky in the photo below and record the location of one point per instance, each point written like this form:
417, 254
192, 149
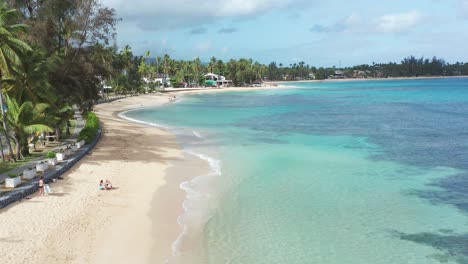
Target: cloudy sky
319, 32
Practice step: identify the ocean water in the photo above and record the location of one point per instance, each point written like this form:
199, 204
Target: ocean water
330, 173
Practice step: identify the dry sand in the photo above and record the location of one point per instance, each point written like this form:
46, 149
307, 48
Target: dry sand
80, 224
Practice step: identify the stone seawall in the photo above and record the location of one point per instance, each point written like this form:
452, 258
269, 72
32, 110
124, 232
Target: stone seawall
33, 186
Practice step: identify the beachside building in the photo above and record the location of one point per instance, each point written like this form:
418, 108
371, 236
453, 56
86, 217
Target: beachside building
339, 74
159, 80
219, 79
105, 87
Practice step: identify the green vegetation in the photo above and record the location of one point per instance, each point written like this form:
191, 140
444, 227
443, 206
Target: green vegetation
12, 175
408, 67
91, 128
8, 166
54, 54
244, 72
51, 155
25, 119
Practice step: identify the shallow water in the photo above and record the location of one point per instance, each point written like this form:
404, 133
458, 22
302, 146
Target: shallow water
349, 172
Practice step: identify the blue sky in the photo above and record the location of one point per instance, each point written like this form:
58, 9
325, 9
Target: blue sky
321, 33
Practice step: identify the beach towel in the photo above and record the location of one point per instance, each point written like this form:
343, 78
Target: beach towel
47, 189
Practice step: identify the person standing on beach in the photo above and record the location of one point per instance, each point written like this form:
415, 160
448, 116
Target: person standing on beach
41, 186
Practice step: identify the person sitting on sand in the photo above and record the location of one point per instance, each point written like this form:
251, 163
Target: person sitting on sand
108, 185
101, 185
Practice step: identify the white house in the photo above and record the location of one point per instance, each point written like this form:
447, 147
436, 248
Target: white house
219, 79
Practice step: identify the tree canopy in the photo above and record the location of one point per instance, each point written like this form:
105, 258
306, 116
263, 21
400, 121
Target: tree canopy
55, 54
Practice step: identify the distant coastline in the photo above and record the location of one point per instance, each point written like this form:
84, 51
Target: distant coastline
278, 85
368, 79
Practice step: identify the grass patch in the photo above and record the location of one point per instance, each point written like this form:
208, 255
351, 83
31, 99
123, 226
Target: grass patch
6, 166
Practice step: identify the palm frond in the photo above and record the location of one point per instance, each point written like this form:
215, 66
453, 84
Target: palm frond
10, 55
4, 32
3, 64
17, 44
26, 108
41, 108
19, 27
35, 128
6, 13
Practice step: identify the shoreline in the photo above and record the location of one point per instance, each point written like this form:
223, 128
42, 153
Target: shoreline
195, 167
370, 79
180, 177
80, 224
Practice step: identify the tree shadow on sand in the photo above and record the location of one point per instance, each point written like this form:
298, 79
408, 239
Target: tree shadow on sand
132, 146
453, 246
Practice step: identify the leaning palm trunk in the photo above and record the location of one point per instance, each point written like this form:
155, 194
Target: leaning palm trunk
57, 133
18, 146
1, 146
4, 120
68, 127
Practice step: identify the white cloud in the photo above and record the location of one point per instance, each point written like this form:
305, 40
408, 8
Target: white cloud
390, 23
163, 14
348, 23
398, 23
203, 47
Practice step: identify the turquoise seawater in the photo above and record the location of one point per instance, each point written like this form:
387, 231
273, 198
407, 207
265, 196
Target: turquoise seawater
330, 173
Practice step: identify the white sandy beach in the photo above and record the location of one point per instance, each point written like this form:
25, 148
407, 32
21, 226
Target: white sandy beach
80, 224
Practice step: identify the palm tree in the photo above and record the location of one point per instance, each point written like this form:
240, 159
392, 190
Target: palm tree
126, 55
25, 119
166, 68
152, 72
143, 68
301, 68
158, 62
31, 82
10, 49
212, 64
56, 117
197, 68
1, 146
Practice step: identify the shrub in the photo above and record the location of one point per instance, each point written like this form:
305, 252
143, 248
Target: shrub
12, 175
51, 155
91, 128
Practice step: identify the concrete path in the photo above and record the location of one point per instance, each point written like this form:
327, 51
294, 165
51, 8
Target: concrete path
80, 123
